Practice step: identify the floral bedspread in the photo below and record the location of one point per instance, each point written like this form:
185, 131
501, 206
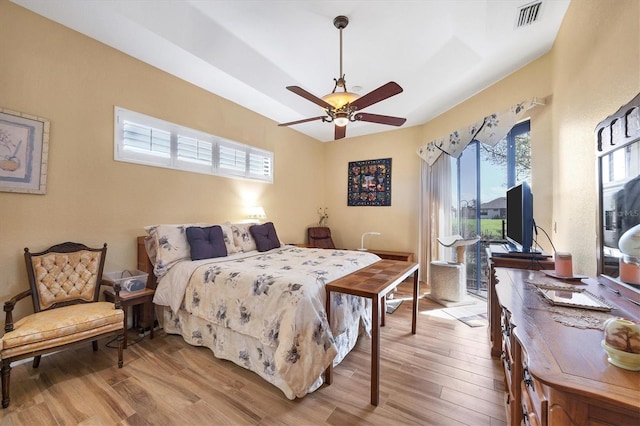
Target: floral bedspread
276, 298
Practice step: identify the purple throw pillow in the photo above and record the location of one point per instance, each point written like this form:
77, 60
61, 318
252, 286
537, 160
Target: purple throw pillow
206, 243
265, 236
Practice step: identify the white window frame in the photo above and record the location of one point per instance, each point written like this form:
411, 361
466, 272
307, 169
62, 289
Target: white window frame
127, 152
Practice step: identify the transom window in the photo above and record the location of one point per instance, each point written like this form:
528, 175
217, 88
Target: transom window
150, 141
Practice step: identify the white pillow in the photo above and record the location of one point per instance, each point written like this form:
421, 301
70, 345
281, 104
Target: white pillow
171, 245
227, 232
242, 238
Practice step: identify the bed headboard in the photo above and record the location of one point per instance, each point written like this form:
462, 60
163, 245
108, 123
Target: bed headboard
144, 264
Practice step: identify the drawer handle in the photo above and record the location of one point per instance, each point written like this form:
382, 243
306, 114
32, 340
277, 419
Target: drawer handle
528, 381
525, 417
506, 330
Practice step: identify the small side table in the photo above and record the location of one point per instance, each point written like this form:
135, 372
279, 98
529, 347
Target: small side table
142, 297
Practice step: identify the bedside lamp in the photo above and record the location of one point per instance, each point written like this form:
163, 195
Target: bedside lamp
257, 213
362, 239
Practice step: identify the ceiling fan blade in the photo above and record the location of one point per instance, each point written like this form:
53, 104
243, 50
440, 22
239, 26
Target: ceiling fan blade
381, 93
322, 117
339, 132
308, 96
381, 119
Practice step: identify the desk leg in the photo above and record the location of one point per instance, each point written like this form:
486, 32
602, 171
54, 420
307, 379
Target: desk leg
328, 373
375, 351
416, 286
383, 311
125, 310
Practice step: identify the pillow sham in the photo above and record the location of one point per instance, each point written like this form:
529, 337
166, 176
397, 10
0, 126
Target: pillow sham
206, 242
242, 237
265, 236
171, 247
227, 233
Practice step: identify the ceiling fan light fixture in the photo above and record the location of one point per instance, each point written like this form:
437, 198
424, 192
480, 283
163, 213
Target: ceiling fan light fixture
340, 99
341, 119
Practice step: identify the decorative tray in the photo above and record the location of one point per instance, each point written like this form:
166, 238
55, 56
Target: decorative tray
573, 298
552, 273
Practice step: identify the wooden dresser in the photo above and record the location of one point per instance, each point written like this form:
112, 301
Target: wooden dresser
496, 258
557, 374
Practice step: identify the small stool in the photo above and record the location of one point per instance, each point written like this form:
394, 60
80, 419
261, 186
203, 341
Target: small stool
134, 299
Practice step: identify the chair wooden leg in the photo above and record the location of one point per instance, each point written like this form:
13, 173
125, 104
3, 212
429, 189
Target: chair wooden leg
95, 345
36, 361
120, 349
6, 376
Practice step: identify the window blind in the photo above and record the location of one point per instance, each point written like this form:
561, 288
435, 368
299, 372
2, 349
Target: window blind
147, 140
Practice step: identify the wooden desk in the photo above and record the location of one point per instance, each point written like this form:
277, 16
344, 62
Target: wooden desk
496, 258
557, 374
374, 282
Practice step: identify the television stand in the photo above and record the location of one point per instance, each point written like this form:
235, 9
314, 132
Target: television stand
504, 250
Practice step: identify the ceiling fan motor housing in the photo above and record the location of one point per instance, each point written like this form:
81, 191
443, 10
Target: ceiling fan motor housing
340, 22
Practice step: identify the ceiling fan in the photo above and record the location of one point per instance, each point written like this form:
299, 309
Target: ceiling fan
341, 106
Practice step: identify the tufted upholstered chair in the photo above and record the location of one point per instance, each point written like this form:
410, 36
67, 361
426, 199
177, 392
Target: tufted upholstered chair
320, 237
64, 285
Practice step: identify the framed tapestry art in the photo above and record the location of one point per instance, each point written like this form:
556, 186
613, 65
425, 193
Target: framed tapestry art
24, 148
369, 183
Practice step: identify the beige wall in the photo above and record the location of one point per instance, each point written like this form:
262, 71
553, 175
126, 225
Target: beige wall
397, 223
50, 71
596, 69
53, 72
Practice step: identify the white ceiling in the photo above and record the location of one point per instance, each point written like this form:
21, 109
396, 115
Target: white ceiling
440, 51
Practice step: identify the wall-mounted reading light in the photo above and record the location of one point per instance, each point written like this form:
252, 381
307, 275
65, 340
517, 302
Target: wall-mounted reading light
362, 239
256, 213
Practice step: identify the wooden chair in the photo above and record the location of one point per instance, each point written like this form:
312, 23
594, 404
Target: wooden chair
320, 237
64, 285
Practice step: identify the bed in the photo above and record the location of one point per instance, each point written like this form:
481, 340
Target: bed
259, 305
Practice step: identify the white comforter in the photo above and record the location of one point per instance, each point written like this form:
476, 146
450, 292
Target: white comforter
276, 298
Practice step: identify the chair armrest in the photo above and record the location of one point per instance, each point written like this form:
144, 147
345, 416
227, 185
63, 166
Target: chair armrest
116, 291
8, 308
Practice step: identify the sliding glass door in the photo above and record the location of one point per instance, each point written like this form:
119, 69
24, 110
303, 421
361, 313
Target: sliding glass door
483, 175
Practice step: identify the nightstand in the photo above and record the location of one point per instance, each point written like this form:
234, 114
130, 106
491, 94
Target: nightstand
135, 299
403, 256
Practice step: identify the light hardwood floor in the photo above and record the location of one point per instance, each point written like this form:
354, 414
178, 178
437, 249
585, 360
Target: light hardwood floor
443, 375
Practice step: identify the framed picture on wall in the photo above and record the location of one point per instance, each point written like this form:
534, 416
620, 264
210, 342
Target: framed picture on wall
369, 183
24, 150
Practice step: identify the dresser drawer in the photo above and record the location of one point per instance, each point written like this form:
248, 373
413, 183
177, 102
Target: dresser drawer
534, 400
529, 413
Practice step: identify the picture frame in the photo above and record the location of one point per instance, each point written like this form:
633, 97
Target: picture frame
24, 152
369, 183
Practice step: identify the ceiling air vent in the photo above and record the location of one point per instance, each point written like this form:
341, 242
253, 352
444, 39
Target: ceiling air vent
529, 14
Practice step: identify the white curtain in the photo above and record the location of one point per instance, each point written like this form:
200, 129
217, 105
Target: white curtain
435, 212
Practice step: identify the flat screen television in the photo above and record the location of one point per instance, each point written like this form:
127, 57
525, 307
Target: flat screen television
520, 224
